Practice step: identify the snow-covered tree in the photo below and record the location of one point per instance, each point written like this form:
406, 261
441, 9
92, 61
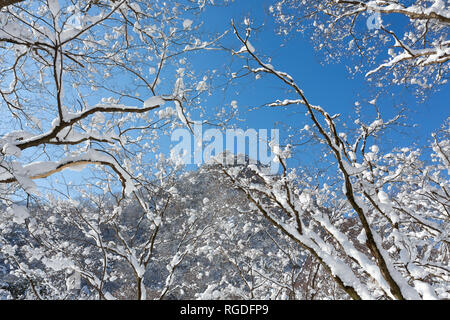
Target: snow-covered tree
245, 258
403, 42
78, 81
96, 248
102, 84
397, 204
84, 83
199, 240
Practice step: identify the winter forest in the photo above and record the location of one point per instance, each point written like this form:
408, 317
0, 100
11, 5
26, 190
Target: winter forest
224, 149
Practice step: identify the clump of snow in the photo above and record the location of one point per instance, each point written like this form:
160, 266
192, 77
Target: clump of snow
244, 48
19, 213
187, 24
250, 47
362, 237
202, 86
383, 197
135, 7
11, 150
166, 113
153, 102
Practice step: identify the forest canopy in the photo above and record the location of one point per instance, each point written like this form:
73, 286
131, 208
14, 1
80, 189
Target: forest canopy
227, 149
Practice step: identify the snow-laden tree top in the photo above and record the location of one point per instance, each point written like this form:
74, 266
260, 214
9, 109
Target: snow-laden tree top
71, 77
405, 42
